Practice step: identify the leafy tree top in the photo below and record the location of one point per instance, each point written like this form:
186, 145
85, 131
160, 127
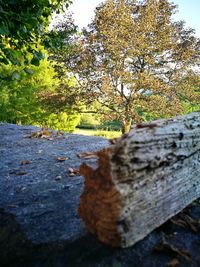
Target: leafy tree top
133, 58
22, 23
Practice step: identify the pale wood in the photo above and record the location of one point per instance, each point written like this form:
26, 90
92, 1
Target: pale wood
143, 180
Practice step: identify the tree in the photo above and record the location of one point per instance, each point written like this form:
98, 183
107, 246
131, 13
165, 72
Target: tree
19, 89
134, 59
64, 97
26, 72
21, 93
22, 24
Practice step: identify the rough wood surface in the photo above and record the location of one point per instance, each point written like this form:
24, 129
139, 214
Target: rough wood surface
143, 180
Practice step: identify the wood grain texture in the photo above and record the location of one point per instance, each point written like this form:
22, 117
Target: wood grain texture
143, 180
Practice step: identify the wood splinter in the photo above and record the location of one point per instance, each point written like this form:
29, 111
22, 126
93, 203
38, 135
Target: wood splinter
142, 180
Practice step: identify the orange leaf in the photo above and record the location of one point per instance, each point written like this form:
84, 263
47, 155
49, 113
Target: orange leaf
25, 162
87, 155
43, 133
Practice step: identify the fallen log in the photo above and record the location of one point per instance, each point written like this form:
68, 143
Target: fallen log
143, 180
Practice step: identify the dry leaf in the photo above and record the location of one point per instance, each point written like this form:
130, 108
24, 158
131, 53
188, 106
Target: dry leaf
20, 173
184, 253
173, 263
165, 246
58, 178
87, 155
59, 133
179, 223
185, 221
20, 189
25, 162
70, 170
73, 172
44, 133
191, 222
60, 159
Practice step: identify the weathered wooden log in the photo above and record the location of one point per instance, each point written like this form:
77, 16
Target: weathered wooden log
143, 180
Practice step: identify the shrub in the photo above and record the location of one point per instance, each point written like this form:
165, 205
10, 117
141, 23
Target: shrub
62, 121
88, 121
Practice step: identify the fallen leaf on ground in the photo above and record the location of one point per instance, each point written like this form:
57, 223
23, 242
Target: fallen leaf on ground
59, 133
18, 172
173, 263
185, 221
179, 222
62, 158
87, 155
165, 246
43, 133
25, 162
20, 189
73, 172
58, 178
46, 134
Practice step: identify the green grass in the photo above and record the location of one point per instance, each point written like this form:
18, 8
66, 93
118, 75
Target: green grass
103, 133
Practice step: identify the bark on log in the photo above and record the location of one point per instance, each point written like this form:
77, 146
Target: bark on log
143, 180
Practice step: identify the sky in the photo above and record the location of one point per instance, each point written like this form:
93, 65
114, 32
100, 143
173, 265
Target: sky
189, 11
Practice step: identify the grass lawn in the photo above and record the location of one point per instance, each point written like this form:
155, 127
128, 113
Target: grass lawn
103, 133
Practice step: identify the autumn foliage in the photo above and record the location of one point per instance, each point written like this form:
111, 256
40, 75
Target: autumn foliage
134, 59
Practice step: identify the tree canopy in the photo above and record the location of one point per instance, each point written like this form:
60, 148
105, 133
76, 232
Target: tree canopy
22, 24
27, 68
133, 59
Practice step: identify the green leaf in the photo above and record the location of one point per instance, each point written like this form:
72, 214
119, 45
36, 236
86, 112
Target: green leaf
4, 61
4, 30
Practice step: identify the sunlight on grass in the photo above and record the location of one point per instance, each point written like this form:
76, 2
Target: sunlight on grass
102, 133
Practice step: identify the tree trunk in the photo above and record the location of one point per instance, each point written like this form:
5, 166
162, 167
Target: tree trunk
147, 177
126, 126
